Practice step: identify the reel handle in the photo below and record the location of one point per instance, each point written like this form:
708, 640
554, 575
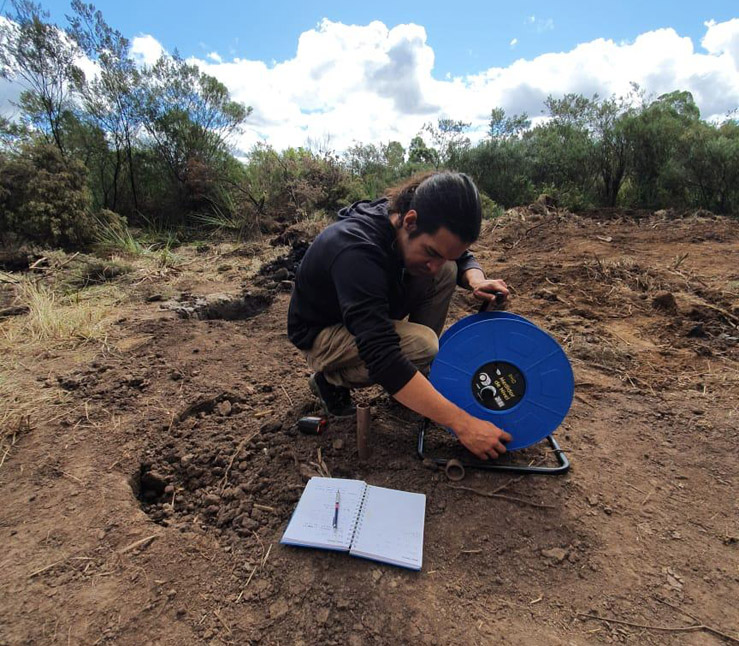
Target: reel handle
499, 300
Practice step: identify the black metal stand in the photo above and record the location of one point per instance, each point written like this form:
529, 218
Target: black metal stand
563, 462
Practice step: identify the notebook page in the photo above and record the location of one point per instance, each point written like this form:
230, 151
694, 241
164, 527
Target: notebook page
390, 528
312, 522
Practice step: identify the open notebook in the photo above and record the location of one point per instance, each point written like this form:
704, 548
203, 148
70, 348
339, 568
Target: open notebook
373, 522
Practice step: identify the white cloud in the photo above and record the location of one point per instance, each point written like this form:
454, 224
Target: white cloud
363, 83
514, 42
146, 50
722, 39
373, 84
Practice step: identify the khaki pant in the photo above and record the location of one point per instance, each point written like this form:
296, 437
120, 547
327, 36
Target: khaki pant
335, 352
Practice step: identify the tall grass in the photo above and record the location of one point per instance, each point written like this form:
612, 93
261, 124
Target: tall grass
54, 319
119, 238
122, 240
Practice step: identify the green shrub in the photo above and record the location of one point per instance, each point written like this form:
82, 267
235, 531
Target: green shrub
490, 208
44, 198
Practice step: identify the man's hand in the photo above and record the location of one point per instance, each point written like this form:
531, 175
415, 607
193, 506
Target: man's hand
482, 438
484, 289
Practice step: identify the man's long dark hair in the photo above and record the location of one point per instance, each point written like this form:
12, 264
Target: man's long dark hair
441, 199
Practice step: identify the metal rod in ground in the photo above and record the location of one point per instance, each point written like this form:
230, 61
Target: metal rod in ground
363, 424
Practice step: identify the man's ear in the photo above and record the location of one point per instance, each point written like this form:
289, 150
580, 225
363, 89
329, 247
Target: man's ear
410, 221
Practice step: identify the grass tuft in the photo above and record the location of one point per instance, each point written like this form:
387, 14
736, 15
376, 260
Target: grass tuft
54, 319
120, 238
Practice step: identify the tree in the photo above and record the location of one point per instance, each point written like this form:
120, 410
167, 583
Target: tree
502, 127
189, 114
653, 133
562, 150
41, 58
420, 154
449, 139
610, 145
710, 158
109, 99
393, 154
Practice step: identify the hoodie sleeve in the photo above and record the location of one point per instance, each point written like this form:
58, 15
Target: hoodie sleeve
361, 282
464, 262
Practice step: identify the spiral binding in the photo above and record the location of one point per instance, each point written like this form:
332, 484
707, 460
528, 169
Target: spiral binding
360, 515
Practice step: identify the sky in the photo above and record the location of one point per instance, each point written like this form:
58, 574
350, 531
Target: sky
346, 72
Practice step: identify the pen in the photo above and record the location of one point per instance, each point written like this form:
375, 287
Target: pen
336, 510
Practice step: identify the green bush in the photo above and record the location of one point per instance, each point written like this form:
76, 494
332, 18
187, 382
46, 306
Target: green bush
490, 208
44, 198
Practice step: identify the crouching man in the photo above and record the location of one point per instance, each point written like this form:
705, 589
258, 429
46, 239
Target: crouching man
372, 293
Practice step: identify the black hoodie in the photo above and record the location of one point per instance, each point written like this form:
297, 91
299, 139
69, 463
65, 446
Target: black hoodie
353, 274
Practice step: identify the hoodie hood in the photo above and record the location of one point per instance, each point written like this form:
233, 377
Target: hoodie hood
375, 209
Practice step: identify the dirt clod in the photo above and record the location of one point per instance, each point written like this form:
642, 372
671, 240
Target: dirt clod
666, 302
556, 554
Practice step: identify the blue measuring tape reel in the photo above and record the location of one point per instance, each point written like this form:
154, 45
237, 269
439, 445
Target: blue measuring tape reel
502, 368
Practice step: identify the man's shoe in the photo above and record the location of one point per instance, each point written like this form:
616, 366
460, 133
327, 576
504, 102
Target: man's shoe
336, 400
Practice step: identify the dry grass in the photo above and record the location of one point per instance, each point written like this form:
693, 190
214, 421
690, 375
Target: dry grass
629, 272
55, 320
18, 408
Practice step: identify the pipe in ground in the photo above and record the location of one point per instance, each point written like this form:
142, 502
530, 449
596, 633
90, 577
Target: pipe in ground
363, 426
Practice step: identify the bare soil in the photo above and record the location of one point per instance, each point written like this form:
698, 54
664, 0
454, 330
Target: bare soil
147, 508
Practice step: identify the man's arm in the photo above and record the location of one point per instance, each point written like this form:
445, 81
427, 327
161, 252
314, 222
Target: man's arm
482, 438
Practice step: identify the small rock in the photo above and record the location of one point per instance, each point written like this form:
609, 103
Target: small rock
338, 444
281, 274
270, 427
557, 554
224, 408
249, 524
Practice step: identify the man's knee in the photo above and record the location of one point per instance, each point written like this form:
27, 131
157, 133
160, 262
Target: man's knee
419, 343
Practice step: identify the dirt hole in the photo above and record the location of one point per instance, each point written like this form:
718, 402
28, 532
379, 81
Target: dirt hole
226, 307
